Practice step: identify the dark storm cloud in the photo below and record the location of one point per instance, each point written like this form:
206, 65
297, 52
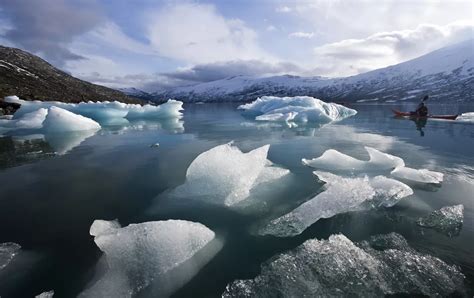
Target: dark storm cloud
46, 27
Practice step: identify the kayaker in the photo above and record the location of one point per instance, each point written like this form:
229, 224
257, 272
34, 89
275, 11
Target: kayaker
422, 109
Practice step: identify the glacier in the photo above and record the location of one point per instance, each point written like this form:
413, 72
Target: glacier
225, 175
337, 267
148, 256
340, 196
301, 109
447, 220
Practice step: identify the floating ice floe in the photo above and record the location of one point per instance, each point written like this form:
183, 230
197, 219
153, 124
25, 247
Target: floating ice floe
466, 117
225, 175
8, 251
420, 176
296, 109
334, 160
152, 256
337, 267
341, 195
48, 294
447, 220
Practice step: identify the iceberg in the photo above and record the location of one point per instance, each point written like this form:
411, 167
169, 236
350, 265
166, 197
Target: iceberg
144, 255
103, 111
334, 160
337, 267
296, 109
225, 175
419, 176
48, 294
8, 251
341, 195
60, 120
447, 220
32, 120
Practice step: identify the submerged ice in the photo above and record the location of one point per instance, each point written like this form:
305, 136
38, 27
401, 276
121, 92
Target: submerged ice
337, 267
8, 251
225, 175
447, 220
296, 109
139, 254
341, 195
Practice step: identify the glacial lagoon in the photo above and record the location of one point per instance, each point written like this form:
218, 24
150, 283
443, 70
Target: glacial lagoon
210, 177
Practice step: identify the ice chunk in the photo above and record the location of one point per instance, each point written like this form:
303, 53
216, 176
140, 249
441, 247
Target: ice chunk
140, 254
226, 175
341, 195
170, 109
297, 109
8, 251
420, 176
33, 119
48, 294
448, 220
100, 111
334, 160
337, 267
466, 117
60, 120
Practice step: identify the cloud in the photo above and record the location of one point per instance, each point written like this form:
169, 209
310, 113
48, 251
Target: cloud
197, 33
271, 28
46, 27
306, 35
283, 9
353, 56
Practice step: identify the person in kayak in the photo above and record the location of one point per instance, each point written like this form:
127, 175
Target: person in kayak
421, 109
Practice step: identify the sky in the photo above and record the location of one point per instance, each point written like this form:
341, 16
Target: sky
154, 44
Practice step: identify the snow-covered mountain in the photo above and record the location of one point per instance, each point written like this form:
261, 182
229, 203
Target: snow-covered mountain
446, 74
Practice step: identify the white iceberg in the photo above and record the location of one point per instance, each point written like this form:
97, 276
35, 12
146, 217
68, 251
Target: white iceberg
8, 251
103, 111
139, 255
297, 109
334, 160
32, 120
419, 176
385, 265
225, 175
60, 120
341, 195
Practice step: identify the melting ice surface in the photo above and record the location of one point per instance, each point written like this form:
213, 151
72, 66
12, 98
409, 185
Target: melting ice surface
141, 254
8, 251
296, 109
383, 265
225, 175
333, 160
447, 220
341, 195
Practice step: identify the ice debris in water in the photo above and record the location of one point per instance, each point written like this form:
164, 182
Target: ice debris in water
48, 294
100, 111
448, 220
341, 195
296, 109
337, 267
334, 160
8, 251
60, 120
138, 254
226, 175
420, 176
466, 117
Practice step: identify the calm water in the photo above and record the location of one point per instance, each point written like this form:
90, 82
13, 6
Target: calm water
48, 201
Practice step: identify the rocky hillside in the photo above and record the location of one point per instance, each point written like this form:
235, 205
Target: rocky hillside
447, 75
30, 77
